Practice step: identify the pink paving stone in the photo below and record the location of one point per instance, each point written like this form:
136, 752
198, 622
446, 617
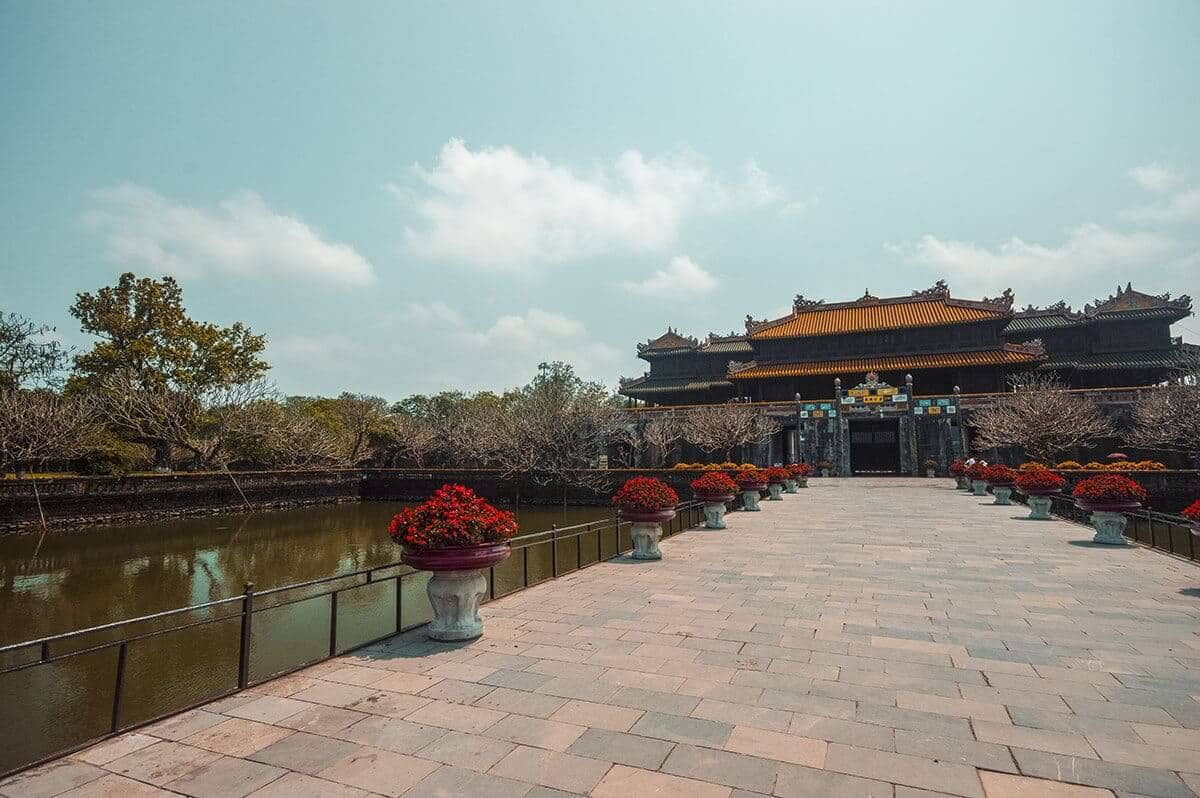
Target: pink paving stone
237, 737
1004, 785
626, 782
382, 772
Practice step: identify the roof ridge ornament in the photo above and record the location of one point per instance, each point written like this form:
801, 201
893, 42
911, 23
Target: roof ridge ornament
752, 324
938, 289
1003, 302
801, 301
1128, 298
867, 298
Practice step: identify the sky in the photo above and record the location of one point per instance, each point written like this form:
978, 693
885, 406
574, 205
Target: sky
415, 197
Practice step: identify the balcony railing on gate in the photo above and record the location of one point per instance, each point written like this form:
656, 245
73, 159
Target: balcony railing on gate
1162, 531
66, 691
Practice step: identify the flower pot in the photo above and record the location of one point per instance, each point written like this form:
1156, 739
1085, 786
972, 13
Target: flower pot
930, 472
801, 482
1039, 504
963, 483
1002, 493
776, 491
824, 472
789, 486
1109, 519
646, 530
458, 584
714, 509
750, 498
978, 487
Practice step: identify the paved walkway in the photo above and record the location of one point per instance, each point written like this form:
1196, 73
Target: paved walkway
863, 638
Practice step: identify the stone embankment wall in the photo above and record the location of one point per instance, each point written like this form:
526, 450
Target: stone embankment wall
80, 501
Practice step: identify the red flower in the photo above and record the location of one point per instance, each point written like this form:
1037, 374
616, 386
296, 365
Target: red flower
714, 483
1039, 481
957, 468
777, 474
999, 475
799, 470
1192, 511
646, 493
975, 471
1110, 488
751, 478
453, 516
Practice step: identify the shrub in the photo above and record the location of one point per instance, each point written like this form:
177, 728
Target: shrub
975, 471
1042, 481
957, 468
778, 474
1192, 512
1069, 465
1092, 465
684, 467
748, 466
728, 466
1003, 475
646, 493
711, 467
749, 479
453, 516
799, 470
714, 483
1031, 465
1110, 488
825, 464
930, 464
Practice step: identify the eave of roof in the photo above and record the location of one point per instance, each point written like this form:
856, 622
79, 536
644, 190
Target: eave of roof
679, 385
1157, 359
1009, 355
883, 314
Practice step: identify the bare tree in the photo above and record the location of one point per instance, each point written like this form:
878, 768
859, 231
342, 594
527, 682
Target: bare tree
30, 355
362, 415
1040, 416
294, 439
1168, 417
207, 424
661, 434
410, 438
39, 426
723, 428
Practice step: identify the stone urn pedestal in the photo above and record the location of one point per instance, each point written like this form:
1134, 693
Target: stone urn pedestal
1109, 519
963, 483
930, 472
775, 491
789, 486
978, 487
714, 509
646, 531
750, 498
1002, 494
1039, 506
458, 584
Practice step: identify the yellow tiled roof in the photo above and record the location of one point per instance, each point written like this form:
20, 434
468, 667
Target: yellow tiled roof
879, 315
942, 360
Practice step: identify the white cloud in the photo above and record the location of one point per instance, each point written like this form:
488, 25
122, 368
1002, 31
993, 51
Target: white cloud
1182, 207
328, 349
242, 236
682, 276
1090, 255
1155, 177
433, 313
799, 207
497, 208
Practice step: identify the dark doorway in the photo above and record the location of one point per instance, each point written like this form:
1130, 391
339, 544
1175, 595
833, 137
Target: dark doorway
875, 446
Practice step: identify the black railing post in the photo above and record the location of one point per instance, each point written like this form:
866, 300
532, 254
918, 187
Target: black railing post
119, 689
333, 604
399, 606
244, 644
45, 650
554, 550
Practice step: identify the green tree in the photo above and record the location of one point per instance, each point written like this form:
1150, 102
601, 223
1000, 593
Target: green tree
151, 355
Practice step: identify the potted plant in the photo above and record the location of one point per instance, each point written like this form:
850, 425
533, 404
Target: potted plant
751, 481
800, 473
458, 536
825, 467
1109, 497
931, 467
1192, 513
958, 470
776, 477
1039, 486
714, 489
647, 502
974, 473
1000, 479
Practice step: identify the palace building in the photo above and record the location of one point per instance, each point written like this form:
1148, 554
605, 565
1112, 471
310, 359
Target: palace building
943, 342
879, 385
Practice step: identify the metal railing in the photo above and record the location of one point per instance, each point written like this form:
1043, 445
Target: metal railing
66, 691
1162, 531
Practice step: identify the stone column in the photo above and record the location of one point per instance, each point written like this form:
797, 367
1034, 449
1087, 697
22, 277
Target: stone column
1109, 528
645, 537
455, 596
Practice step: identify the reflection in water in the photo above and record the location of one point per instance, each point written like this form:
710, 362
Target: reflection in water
103, 574
99, 575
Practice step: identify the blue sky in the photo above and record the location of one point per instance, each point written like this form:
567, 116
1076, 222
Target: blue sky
410, 197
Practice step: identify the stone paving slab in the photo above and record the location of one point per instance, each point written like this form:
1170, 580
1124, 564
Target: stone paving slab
872, 637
